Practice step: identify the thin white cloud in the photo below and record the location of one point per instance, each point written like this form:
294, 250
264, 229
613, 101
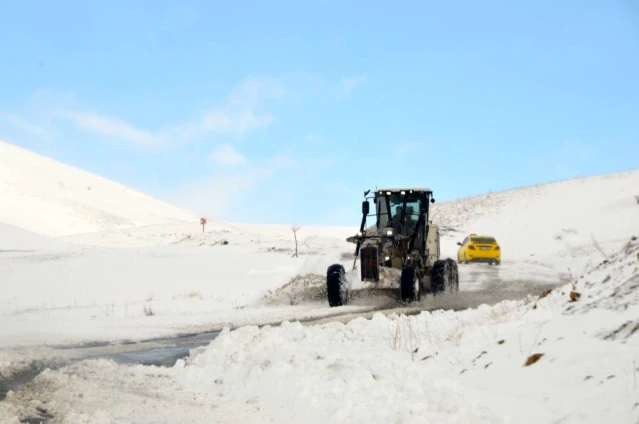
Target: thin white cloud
226, 155
349, 84
239, 113
218, 195
113, 127
224, 121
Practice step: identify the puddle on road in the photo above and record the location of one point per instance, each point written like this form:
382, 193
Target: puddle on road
147, 352
161, 357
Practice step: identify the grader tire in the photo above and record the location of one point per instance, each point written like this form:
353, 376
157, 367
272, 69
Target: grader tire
336, 289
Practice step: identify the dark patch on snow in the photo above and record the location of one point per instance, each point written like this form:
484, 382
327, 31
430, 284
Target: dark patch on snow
624, 331
22, 376
43, 416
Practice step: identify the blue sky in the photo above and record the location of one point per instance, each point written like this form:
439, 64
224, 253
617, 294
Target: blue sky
287, 111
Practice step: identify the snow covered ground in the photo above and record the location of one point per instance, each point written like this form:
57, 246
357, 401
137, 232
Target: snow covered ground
571, 355
110, 265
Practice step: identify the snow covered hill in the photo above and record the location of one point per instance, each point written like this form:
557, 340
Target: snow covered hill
17, 240
569, 219
47, 197
108, 264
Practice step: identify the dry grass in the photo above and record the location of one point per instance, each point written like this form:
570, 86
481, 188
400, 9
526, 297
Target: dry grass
544, 294
193, 294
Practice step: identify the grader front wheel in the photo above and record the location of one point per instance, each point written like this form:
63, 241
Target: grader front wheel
336, 288
409, 285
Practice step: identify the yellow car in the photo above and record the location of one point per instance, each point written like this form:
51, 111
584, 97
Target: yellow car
479, 248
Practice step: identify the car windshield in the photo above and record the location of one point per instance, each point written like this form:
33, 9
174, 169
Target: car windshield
488, 240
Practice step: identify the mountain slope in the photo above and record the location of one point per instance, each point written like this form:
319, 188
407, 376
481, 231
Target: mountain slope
50, 198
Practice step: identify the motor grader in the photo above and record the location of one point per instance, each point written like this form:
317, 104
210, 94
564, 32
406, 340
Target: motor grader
400, 252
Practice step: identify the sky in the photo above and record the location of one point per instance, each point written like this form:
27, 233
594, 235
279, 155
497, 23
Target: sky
287, 111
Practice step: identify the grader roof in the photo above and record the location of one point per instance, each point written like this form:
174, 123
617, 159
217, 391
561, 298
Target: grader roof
396, 189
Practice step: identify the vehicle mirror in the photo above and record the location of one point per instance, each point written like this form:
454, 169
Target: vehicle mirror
365, 207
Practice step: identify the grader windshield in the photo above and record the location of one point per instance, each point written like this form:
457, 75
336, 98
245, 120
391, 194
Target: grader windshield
400, 209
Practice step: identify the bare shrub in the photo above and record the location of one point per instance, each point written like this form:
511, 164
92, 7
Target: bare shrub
295, 229
403, 335
598, 247
237, 305
409, 334
148, 311
109, 309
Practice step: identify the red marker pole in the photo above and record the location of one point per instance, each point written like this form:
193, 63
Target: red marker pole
203, 223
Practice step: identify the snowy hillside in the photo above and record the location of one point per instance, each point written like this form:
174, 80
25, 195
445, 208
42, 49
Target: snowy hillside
17, 240
245, 273
567, 218
126, 268
47, 197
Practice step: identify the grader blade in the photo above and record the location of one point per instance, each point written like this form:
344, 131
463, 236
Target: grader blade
369, 265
